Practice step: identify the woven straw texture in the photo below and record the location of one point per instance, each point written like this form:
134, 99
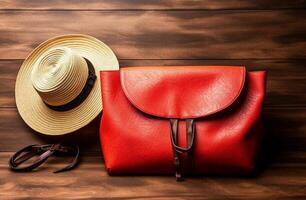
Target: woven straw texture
55, 73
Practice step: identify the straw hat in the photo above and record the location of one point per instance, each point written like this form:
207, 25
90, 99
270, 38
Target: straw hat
58, 87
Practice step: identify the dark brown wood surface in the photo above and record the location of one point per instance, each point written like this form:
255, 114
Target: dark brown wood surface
279, 181
262, 35
149, 4
141, 34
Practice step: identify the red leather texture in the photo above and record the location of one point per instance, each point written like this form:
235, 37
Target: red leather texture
182, 92
226, 103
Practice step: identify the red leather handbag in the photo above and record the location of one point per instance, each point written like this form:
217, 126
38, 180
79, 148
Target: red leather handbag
192, 120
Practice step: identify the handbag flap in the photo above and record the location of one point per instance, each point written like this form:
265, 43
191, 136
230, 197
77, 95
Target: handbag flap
183, 91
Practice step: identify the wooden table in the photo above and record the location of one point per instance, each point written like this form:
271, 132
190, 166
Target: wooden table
268, 35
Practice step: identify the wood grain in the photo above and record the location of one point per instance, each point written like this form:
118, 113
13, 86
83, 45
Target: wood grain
89, 180
260, 34
285, 131
285, 85
150, 4
15, 134
164, 35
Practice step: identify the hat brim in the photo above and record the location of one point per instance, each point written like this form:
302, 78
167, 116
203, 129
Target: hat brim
50, 122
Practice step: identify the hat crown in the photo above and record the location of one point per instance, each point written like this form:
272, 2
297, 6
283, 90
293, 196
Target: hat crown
59, 76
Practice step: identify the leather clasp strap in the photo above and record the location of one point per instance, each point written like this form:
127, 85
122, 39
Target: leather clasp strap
43, 152
177, 150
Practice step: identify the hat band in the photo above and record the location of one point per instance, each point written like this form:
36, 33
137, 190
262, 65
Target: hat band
84, 93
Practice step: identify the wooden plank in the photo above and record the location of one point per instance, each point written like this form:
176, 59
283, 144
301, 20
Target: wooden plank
14, 133
285, 131
285, 84
90, 180
149, 4
164, 34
